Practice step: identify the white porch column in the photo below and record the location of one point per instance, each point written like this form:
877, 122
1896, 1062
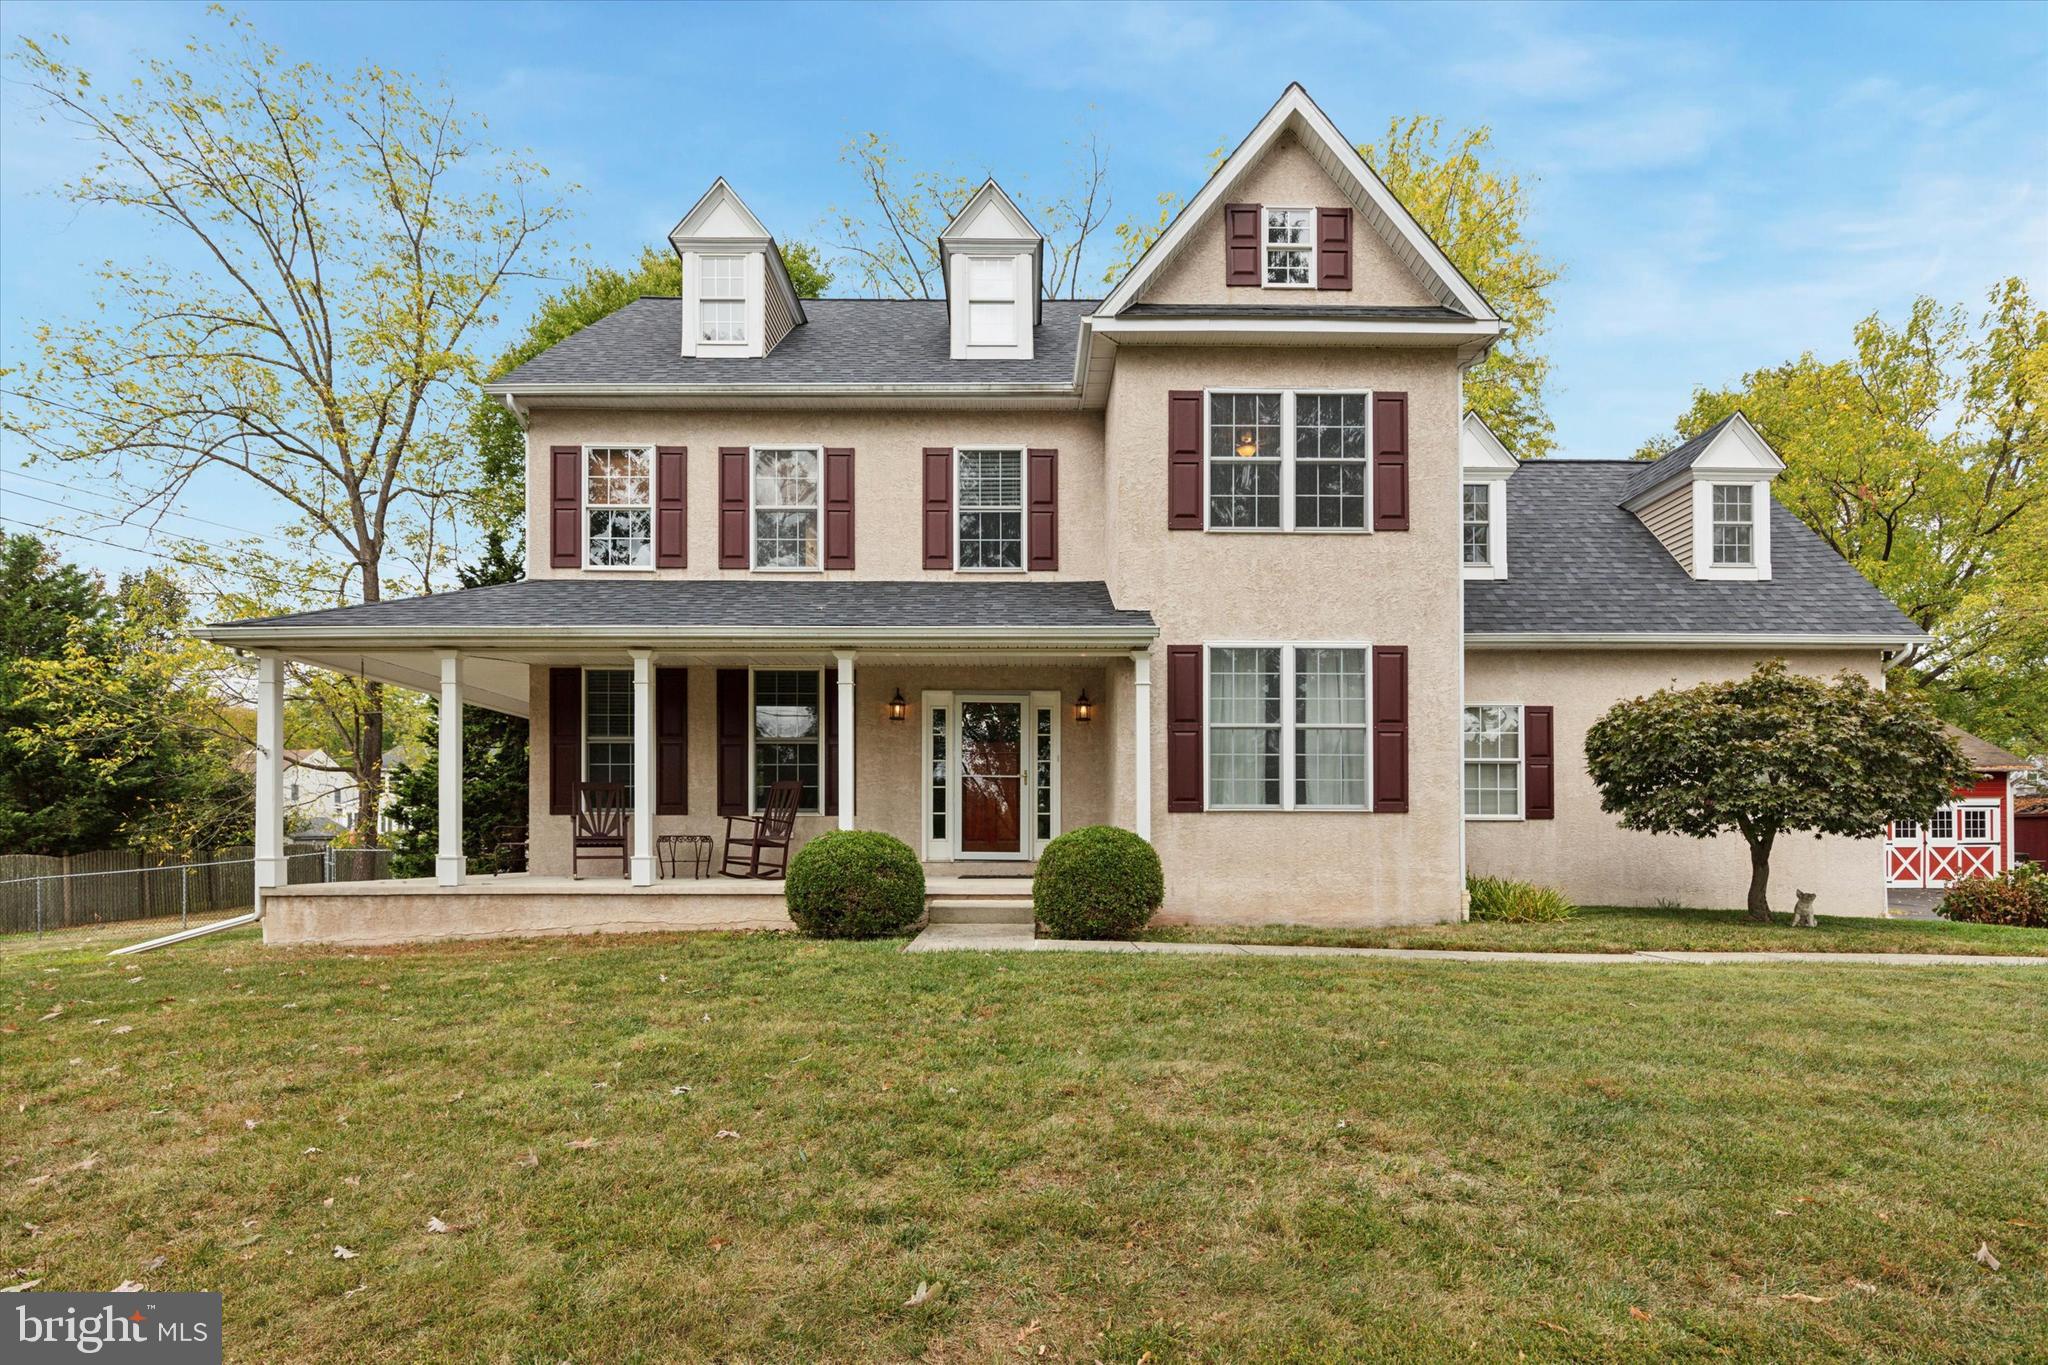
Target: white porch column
843, 728
270, 863
643, 767
1141, 740
448, 855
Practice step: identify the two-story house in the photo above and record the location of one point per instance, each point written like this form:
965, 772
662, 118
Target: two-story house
1219, 558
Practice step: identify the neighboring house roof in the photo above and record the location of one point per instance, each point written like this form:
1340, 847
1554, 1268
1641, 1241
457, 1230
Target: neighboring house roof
2030, 805
1579, 564
874, 342
1985, 756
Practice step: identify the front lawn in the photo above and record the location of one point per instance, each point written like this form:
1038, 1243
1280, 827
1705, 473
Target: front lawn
1637, 929
758, 1148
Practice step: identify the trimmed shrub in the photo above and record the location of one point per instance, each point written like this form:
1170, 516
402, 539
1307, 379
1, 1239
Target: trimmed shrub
855, 883
1511, 902
1097, 882
2018, 895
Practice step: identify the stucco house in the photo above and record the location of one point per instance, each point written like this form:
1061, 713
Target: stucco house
1219, 557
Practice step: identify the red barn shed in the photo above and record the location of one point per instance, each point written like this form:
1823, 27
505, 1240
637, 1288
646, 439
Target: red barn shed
1972, 836
2030, 828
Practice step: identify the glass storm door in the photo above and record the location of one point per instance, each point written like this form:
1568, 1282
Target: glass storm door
992, 786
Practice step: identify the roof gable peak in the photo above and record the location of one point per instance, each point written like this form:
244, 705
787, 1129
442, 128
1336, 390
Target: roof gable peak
990, 214
719, 215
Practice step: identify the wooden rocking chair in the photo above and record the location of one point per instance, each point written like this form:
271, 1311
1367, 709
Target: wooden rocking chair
770, 831
602, 816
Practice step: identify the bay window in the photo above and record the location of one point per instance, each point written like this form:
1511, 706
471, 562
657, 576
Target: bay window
1287, 727
618, 507
1291, 247
1288, 460
787, 487
608, 726
989, 523
1493, 762
788, 733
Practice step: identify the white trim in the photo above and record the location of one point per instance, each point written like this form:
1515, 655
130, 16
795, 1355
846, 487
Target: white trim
754, 740
641, 868
1266, 247
448, 861
754, 564
1307, 330
1027, 818
1544, 639
1023, 455
1521, 760
583, 717
1496, 565
843, 733
754, 236
1704, 568
1141, 743
1106, 639
1288, 461
584, 508
1287, 724
269, 863
938, 850
1053, 702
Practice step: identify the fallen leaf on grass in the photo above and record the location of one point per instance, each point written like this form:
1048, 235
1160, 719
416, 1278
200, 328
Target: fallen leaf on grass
249, 1123
155, 1263
1781, 1213
124, 1028
719, 1244
1031, 1330
1806, 1298
1639, 1314
128, 1287
1863, 1286
727, 1133
1555, 1327
18, 1288
436, 1225
2021, 1223
310, 1151
582, 1144
918, 1295
87, 1164
679, 1090
351, 1293
51, 1015
328, 1202
342, 1253
1984, 1257
528, 1160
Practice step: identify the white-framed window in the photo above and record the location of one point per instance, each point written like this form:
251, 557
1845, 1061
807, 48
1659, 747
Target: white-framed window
1287, 726
1976, 824
941, 762
608, 725
788, 491
1943, 825
618, 507
1290, 247
1734, 524
1478, 524
1493, 762
788, 742
991, 301
988, 515
1905, 829
1289, 460
722, 299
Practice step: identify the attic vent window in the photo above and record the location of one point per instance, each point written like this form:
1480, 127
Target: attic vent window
1291, 247
722, 300
991, 301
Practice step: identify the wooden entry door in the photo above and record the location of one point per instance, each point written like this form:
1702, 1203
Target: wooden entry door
992, 779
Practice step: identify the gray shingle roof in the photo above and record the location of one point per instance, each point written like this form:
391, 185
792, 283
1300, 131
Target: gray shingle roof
779, 603
1649, 473
846, 341
1578, 563
1346, 312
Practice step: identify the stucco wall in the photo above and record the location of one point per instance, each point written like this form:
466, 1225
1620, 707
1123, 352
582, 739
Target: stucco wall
1387, 588
888, 476
1286, 177
1585, 854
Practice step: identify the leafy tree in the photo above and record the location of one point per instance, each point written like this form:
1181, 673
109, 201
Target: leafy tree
1771, 754
1922, 458
494, 764
111, 732
332, 247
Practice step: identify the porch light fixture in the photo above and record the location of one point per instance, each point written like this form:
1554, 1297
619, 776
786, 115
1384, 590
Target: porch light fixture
1247, 444
898, 708
1084, 709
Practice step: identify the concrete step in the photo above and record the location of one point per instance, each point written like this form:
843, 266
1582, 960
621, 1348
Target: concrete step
979, 910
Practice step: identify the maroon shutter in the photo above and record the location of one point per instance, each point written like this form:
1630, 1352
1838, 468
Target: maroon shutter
1539, 746
1241, 244
1390, 728
1390, 462
1044, 512
671, 741
1184, 460
732, 507
670, 502
839, 508
1333, 248
565, 506
828, 720
733, 796
1183, 727
938, 507
565, 738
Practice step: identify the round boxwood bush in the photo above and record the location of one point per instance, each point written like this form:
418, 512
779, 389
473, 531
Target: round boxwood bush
1097, 882
855, 883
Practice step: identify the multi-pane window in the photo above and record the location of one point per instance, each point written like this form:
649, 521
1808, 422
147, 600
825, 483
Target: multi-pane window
939, 765
1244, 726
1290, 246
991, 301
1493, 760
1734, 524
1943, 826
1289, 461
786, 516
788, 733
1330, 463
722, 299
991, 509
1329, 727
618, 509
1478, 524
1977, 824
1041, 772
608, 726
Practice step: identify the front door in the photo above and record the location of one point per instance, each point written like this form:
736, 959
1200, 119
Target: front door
992, 779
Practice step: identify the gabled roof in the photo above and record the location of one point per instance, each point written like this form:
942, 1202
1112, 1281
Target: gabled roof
1348, 171
721, 218
991, 218
1985, 756
1731, 443
1479, 448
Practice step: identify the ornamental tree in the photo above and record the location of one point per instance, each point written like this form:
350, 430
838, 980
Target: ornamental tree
1773, 753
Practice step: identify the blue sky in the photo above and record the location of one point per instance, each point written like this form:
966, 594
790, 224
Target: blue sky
1725, 186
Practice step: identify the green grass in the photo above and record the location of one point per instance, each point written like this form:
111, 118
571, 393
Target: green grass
1107, 1156
1632, 929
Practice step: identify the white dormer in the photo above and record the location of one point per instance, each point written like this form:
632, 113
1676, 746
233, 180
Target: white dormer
994, 263
1709, 501
1483, 499
737, 298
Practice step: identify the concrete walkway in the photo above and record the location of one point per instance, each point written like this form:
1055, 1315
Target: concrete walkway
1019, 938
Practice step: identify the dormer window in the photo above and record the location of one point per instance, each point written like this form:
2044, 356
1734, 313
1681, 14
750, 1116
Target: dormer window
1478, 525
991, 301
722, 300
1291, 248
1734, 523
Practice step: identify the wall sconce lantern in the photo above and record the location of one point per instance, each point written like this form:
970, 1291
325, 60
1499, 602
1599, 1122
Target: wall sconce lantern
898, 708
1084, 709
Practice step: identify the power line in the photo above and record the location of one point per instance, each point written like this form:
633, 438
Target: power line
194, 540
95, 493
264, 579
